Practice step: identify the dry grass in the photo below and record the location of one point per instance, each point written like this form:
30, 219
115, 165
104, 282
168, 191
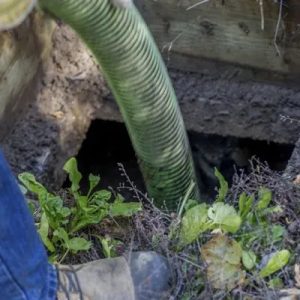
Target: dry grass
149, 230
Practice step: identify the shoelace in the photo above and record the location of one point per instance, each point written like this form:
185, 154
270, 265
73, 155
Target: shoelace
68, 283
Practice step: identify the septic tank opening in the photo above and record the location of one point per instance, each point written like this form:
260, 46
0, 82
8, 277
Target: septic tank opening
107, 143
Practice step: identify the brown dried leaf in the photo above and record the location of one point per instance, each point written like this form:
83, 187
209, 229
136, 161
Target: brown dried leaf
223, 258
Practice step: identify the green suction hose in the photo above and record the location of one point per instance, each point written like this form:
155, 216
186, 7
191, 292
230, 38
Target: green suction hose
132, 65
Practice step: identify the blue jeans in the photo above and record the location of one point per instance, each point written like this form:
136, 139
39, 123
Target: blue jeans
25, 273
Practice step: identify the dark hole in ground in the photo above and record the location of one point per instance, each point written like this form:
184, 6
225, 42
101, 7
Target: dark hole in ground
107, 143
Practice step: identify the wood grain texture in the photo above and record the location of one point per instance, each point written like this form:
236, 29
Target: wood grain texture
22, 51
227, 31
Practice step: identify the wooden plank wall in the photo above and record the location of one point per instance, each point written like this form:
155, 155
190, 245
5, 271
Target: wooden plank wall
22, 52
228, 31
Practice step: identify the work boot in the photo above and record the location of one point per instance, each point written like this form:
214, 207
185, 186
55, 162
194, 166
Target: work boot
139, 276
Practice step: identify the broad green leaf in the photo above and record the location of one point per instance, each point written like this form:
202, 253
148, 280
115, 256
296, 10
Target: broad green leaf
119, 198
62, 235
272, 210
82, 202
190, 204
93, 181
65, 212
193, 223
101, 197
88, 219
245, 204
53, 258
123, 209
50, 204
74, 175
278, 232
276, 283
109, 246
275, 263
264, 198
30, 183
56, 213
31, 207
276, 209
106, 246
44, 231
55, 205
225, 217
242, 202
223, 189
249, 259
79, 244
13, 12
223, 258
117, 247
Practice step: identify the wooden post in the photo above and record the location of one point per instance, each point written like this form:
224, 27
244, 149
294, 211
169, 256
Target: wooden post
21, 53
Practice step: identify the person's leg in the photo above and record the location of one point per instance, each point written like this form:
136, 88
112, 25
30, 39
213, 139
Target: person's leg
24, 269
25, 273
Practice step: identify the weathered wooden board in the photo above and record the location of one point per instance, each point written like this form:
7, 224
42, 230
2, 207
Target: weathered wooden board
228, 31
22, 51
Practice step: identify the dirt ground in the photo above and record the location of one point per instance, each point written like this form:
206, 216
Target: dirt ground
72, 93
56, 122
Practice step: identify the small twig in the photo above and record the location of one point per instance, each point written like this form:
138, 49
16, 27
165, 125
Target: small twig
262, 15
289, 119
277, 28
128, 180
64, 256
186, 198
169, 45
189, 262
196, 4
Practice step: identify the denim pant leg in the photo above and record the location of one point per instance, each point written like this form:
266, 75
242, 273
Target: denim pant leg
25, 273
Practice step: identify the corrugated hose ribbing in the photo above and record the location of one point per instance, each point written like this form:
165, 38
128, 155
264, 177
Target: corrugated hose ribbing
137, 76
